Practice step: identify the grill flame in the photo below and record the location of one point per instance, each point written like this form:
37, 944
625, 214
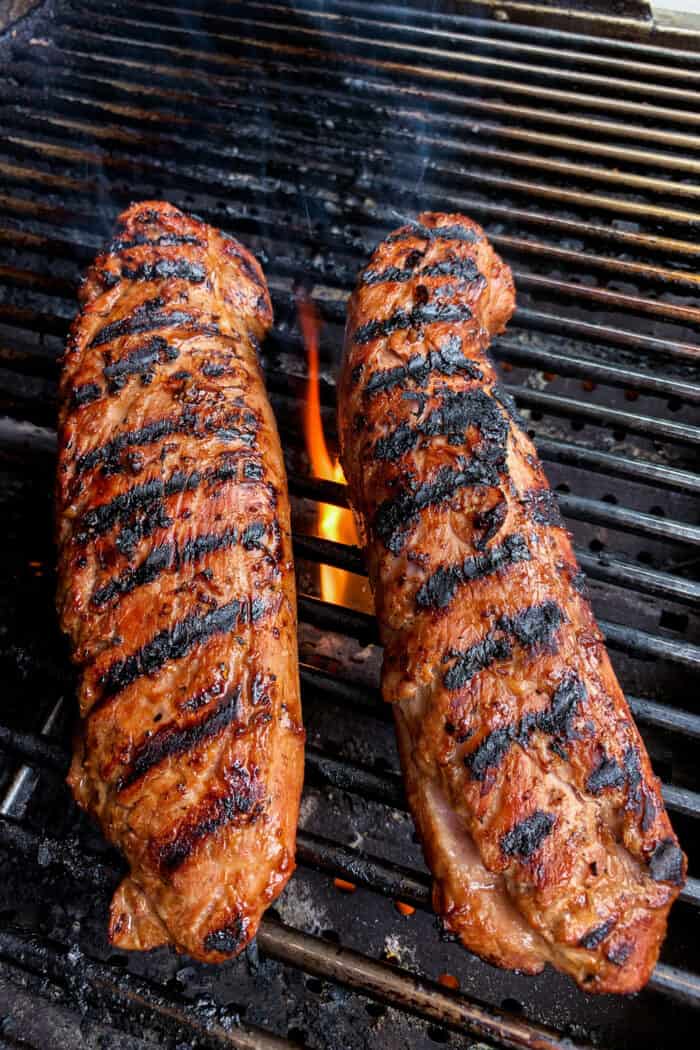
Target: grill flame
333, 523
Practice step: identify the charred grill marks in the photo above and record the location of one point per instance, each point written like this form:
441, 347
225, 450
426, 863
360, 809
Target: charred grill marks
139, 362
166, 240
171, 740
417, 317
392, 273
532, 628
394, 517
208, 543
489, 522
164, 269
508, 403
440, 588
109, 453
477, 658
456, 413
85, 394
158, 561
556, 720
490, 753
148, 317
595, 937
189, 422
618, 954
242, 804
228, 938
463, 269
175, 642
168, 557
434, 233
607, 774
447, 361
100, 519
543, 507
523, 840
666, 864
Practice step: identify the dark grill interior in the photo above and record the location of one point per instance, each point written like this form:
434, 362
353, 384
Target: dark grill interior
309, 131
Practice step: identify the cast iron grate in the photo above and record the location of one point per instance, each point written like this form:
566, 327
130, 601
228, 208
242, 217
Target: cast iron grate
308, 130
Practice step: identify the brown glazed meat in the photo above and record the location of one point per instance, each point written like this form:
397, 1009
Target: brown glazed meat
176, 584
540, 816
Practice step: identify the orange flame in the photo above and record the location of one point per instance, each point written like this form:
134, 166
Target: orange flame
333, 523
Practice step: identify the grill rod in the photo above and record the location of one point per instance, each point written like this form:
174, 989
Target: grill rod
367, 45
292, 947
22, 436
606, 568
578, 508
506, 349
626, 639
394, 986
630, 640
543, 163
525, 316
374, 979
98, 983
487, 86
386, 789
363, 15
21, 143
26, 135
556, 362
507, 158
24, 392
650, 712
567, 406
566, 227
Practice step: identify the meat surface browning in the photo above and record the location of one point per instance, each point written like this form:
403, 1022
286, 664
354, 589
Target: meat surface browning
176, 584
540, 817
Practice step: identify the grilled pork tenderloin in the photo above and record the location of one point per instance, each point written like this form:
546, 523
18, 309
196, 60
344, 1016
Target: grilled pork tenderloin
532, 792
176, 584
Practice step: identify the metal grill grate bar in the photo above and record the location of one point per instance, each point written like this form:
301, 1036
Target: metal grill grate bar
626, 639
577, 507
356, 14
432, 57
289, 946
606, 568
522, 114
616, 204
329, 961
27, 120
66, 43
26, 145
648, 243
99, 984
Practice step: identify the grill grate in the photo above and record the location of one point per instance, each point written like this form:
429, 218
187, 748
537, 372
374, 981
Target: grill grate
309, 129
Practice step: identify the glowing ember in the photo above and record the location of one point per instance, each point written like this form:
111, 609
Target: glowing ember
333, 523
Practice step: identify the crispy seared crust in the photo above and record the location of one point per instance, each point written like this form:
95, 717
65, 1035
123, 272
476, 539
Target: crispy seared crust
533, 794
176, 584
